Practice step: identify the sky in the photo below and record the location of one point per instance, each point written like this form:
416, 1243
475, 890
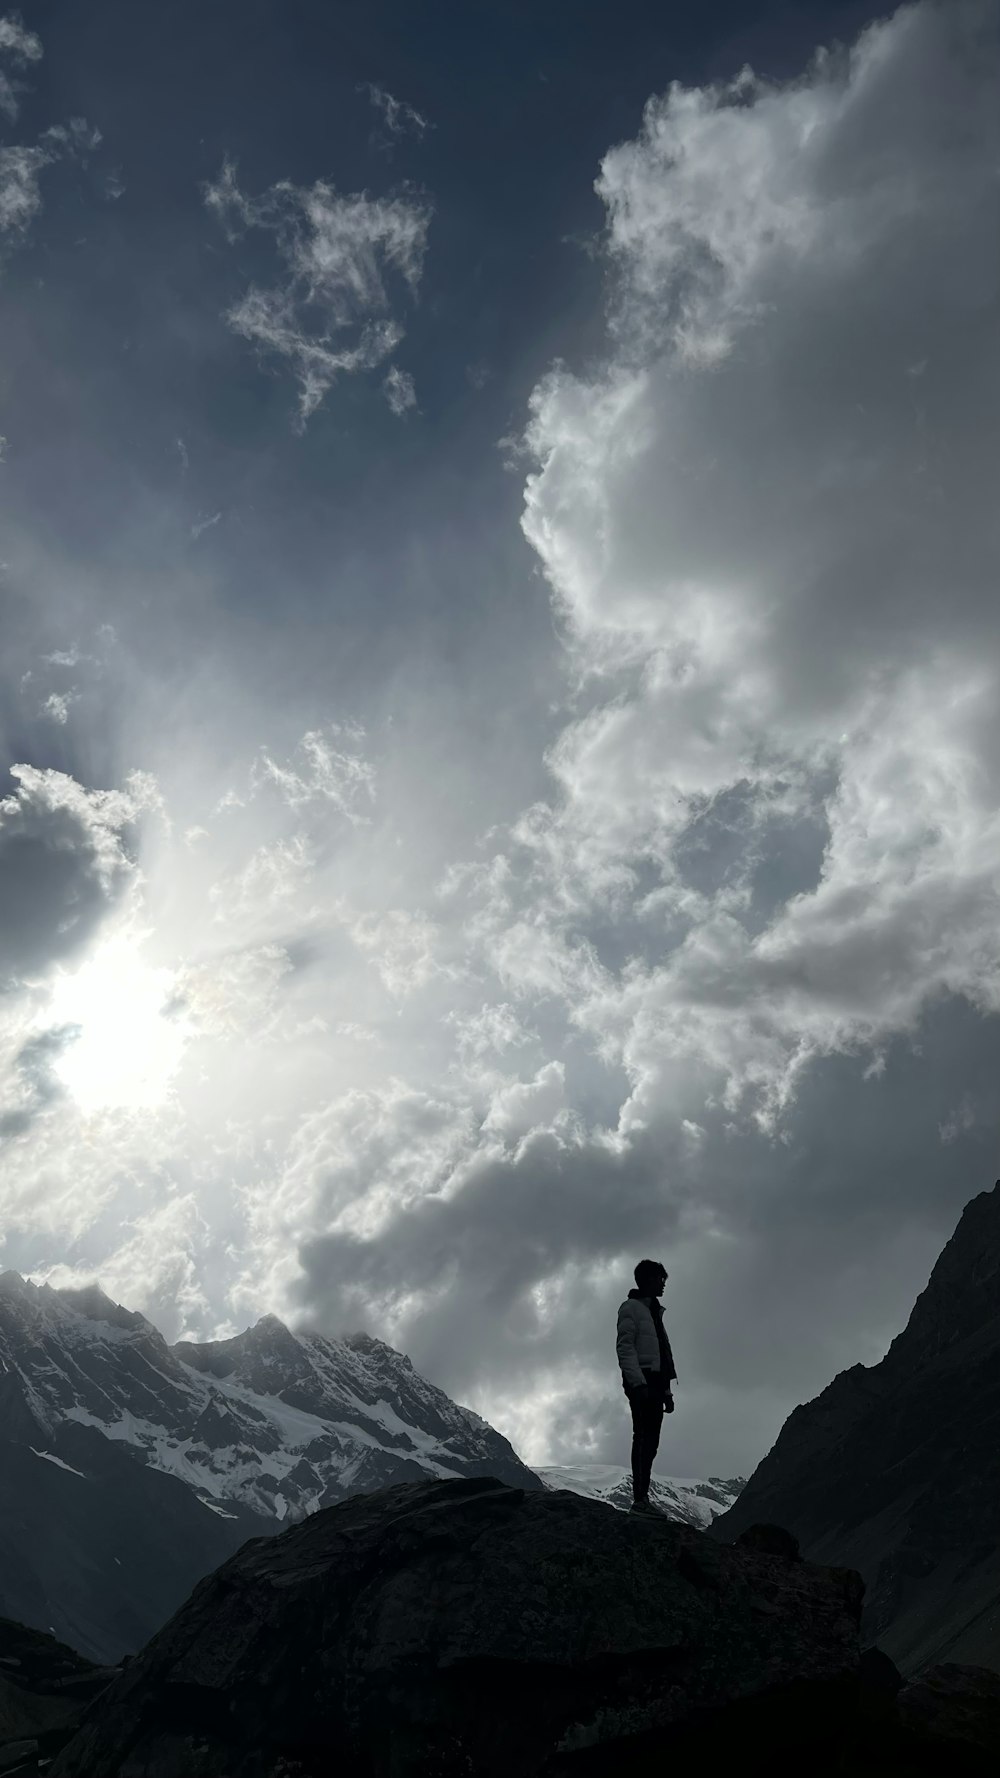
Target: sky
499, 722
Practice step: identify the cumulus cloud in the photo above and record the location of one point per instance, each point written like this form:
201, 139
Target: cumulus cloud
332, 314
753, 520
760, 902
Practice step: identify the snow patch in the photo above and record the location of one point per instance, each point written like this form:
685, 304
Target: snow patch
214, 1508
51, 1458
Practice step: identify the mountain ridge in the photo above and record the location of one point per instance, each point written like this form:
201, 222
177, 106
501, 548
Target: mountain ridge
130, 1468
894, 1469
155, 1462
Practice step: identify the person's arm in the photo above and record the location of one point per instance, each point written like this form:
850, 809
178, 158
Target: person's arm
628, 1358
671, 1374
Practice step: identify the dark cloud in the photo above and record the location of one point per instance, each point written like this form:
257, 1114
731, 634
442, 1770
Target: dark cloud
62, 867
32, 1082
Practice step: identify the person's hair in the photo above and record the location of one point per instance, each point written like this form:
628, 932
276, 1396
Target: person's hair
648, 1273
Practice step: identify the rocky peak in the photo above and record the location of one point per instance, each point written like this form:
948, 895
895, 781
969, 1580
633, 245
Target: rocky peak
369, 1347
893, 1469
962, 1297
93, 1304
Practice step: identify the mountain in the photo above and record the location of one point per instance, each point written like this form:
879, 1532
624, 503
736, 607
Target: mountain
894, 1469
129, 1469
687, 1502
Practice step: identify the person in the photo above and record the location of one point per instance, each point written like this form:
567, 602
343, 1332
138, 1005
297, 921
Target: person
647, 1367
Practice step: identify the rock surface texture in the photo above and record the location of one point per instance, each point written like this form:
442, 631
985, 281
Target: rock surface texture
895, 1469
468, 1627
442, 1629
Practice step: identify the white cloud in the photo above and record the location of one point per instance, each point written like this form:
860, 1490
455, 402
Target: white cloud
57, 706
399, 118
329, 769
157, 1269
21, 165
18, 47
401, 945
399, 391
339, 253
271, 880
20, 196
236, 994
741, 518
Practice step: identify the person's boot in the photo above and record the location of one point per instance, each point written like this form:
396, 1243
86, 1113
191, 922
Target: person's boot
642, 1504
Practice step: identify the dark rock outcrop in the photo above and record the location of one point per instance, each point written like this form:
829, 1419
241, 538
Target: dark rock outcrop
895, 1469
44, 1690
468, 1627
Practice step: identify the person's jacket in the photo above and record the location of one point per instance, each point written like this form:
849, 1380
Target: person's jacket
639, 1344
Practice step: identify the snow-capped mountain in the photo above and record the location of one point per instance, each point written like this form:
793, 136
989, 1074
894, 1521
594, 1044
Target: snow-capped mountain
129, 1468
278, 1422
692, 1502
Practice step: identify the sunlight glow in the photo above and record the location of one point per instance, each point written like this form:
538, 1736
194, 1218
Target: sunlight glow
129, 1045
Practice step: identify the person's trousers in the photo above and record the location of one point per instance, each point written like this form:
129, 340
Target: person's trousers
647, 1420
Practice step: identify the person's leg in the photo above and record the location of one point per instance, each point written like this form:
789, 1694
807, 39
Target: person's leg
638, 1444
653, 1420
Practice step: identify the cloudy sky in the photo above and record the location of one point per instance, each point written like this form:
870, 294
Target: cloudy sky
499, 723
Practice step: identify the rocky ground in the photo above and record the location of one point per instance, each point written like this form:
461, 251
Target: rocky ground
467, 1627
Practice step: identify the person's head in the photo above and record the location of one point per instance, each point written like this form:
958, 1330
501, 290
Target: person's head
650, 1277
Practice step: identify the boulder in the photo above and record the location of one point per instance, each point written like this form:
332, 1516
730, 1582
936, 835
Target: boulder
469, 1627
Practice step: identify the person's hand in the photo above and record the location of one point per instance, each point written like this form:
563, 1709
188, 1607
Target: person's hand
668, 1401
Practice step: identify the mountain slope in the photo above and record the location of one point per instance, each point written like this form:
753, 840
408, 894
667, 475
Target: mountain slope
895, 1468
687, 1502
131, 1468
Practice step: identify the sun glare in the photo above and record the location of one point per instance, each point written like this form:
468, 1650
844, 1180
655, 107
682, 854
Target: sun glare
128, 1048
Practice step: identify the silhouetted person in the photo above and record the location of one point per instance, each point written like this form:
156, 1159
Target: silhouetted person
647, 1367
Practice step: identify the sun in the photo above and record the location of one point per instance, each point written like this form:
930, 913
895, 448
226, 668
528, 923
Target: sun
129, 1042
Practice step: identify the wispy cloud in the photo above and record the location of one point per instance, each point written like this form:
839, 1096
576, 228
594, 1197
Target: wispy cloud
331, 315
398, 389
399, 118
21, 164
205, 525
17, 47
